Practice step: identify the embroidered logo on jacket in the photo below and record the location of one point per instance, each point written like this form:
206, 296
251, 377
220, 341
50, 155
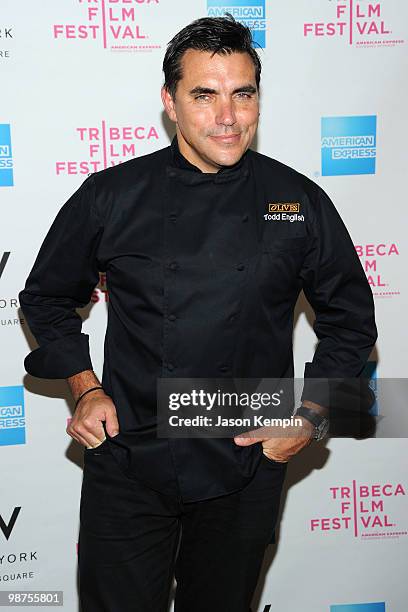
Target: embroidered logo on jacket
276, 207
283, 211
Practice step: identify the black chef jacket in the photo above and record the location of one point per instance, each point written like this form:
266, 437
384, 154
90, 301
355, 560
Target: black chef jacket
201, 284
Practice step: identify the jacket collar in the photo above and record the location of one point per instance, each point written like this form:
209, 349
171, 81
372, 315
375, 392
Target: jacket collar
182, 169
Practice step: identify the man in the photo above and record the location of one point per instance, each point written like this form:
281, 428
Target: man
202, 282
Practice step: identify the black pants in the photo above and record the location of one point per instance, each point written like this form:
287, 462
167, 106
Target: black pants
130, 536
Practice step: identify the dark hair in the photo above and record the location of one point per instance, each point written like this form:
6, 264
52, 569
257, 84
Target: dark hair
222, 35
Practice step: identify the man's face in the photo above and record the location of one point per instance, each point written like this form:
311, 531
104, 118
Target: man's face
216, 108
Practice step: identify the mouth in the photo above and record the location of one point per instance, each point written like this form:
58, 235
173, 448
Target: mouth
227, 139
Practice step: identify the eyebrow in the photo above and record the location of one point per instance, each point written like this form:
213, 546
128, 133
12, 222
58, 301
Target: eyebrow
209, 90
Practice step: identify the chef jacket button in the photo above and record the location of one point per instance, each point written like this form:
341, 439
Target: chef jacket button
172, 317
173, 217
170, 366
240, 267
245, 218
173, 265
224, 368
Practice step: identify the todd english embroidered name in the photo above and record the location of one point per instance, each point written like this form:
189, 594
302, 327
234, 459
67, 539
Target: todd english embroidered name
284, 217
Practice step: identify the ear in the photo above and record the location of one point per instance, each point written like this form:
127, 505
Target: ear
168, 104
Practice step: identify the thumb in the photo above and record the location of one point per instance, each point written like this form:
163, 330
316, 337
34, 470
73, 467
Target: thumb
112, 425
247, 440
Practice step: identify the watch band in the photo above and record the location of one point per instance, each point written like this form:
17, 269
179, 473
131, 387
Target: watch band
310, 415
320, 422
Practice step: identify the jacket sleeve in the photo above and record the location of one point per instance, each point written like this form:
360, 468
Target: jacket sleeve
336, 287
63, 277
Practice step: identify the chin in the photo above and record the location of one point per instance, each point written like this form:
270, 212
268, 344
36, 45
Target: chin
229, 160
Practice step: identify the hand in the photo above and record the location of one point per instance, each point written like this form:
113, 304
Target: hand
86, 424
280, 449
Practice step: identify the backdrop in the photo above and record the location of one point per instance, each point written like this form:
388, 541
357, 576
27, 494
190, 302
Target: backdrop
80, 91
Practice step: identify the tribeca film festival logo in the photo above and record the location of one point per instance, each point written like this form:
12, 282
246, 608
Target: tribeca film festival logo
113, 24
248, 12
375, 258
12, 416
6, 36
348, 145
363, 511
106, 145
6, 156
361, 24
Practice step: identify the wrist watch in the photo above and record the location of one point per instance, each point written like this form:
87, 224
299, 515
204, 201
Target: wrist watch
320, 422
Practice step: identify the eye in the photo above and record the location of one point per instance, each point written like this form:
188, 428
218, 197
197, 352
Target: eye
244, 94
201, 97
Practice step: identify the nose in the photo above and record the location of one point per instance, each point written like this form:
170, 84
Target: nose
225, 112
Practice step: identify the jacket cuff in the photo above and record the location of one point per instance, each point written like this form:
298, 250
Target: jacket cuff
60, 358
315, 389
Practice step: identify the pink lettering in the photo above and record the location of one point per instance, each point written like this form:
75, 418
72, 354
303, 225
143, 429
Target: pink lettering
82, 132
114, 133
381, 249
126, 32
328, 524
93, 149
92, 12
370, 265
122, 15
324, 29
375, 281
341, 9
369, 521
58, 29
59, 167
319, 29
128, 150
153, 133
128, 133
372, 28
74, 167
307, 28
372, 10
93, 133
372, 506
377, 490
74, 31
